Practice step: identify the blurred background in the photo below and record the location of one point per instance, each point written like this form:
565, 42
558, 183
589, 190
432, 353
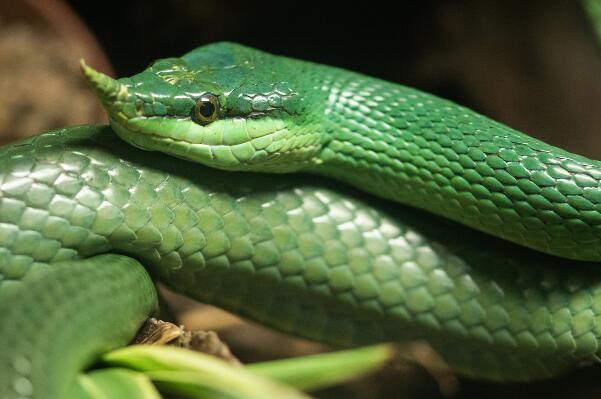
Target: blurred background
534, 65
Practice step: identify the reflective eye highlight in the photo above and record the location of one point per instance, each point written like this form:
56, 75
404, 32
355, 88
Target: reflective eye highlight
206, 109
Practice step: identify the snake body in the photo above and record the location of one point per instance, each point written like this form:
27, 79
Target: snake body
300, 254
85, 219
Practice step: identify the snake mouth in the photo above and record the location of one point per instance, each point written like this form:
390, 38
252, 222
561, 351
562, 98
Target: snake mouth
213, 145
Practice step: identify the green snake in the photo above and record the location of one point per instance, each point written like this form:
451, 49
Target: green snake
86, 220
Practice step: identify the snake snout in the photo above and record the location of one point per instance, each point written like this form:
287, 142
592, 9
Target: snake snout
106, 88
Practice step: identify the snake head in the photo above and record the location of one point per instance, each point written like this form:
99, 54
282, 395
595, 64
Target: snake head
222, 105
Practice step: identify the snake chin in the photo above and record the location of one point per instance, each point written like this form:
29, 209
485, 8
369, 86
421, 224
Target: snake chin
234, 144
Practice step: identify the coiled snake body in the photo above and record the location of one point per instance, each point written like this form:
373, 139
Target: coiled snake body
301, 254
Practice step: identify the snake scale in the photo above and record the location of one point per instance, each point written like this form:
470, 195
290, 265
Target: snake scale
85, 218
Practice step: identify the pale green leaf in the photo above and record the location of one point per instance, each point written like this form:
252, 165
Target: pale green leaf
593, 10
116, 383
197, 375
323, 370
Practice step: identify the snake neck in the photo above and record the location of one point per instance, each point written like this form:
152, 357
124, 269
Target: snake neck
384, 138
417, 149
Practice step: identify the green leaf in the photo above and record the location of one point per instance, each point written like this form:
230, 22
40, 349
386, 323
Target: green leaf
197, 375
323, 370
116, 383
593, 10
194, 384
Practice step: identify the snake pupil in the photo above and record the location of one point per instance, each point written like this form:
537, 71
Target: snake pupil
205, 109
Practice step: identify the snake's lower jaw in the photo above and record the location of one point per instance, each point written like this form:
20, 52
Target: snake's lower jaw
237, 144
199, 153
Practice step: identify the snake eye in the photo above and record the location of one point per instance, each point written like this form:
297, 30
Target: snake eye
206, 109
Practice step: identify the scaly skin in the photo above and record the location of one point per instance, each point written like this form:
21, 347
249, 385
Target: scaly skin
300, 254
58, 317
282, 115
